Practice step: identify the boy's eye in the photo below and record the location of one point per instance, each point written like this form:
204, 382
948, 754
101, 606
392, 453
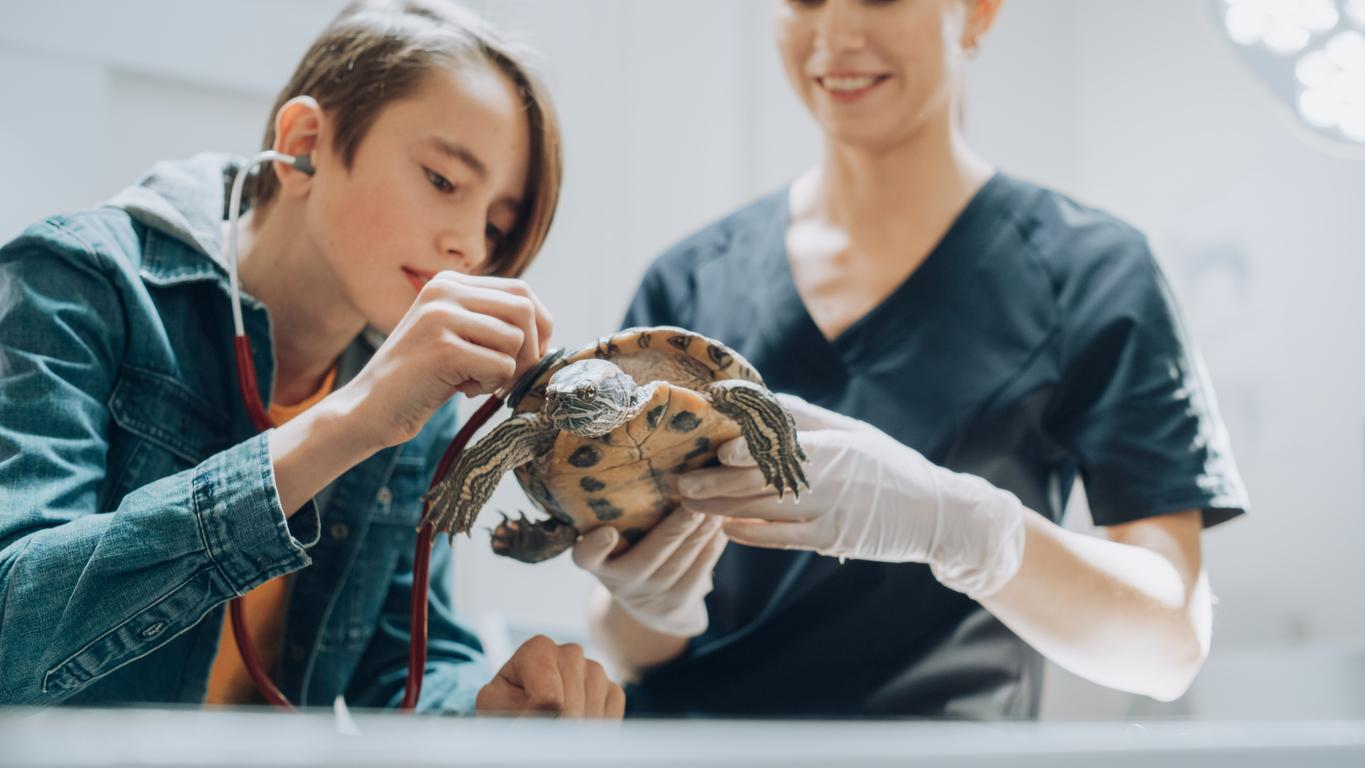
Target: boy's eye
438, 181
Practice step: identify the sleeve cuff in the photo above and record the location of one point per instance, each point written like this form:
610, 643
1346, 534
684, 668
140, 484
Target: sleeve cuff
245, 530
453, 693
1218, 506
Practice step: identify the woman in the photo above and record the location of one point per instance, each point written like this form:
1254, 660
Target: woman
136, 498
989, 339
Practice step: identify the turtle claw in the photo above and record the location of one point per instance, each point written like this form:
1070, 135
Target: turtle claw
441, 514
498, 541
532, 541
784, 473
768, 430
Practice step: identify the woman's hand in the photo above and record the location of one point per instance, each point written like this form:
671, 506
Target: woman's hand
662, 580
543, 678
871, 498
464, 333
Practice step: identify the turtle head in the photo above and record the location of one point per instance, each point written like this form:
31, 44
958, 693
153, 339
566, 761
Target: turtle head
590, 398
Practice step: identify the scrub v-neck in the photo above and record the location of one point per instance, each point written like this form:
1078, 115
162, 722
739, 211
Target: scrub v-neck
931, 285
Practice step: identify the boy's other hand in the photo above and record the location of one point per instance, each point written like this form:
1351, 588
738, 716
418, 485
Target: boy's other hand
544, 678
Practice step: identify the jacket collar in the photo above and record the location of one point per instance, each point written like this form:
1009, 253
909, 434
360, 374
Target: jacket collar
183, 204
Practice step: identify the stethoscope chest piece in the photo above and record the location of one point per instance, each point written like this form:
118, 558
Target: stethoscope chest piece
523, 385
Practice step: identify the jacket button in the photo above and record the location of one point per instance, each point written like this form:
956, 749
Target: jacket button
153, 630
339, 531
296, 652
385, 496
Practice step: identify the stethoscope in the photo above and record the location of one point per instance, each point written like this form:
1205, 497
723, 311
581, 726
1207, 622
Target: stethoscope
246, 381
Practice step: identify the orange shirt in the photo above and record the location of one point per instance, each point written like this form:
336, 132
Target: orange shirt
265, 606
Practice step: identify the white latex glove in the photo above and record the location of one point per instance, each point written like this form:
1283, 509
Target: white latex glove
870, 498
663, 579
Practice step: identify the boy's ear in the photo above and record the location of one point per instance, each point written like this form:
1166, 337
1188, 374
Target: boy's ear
298, 126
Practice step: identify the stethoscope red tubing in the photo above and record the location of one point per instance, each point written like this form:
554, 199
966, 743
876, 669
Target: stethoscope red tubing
417, 645
246, 380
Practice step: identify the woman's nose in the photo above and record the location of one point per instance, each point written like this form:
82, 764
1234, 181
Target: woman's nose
840, 26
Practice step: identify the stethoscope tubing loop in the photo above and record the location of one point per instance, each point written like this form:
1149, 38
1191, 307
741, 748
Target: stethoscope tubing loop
260, 418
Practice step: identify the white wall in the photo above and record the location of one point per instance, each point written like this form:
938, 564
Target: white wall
1264, 236
676, 111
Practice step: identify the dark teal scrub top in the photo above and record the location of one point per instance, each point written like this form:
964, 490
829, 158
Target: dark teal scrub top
1038, 341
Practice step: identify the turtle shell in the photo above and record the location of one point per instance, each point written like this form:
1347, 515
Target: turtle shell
628, 478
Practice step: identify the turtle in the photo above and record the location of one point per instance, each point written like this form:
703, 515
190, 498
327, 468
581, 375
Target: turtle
601, 435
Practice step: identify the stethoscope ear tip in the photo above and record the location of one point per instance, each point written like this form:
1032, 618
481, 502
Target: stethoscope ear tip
304, 163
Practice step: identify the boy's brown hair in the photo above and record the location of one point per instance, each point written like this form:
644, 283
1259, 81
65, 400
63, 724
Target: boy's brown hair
378, 51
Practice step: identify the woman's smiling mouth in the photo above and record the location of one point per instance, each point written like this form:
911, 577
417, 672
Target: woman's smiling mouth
849, 86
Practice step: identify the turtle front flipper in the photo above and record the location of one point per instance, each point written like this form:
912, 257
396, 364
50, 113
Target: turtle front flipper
767, 428
468, 484
532, 542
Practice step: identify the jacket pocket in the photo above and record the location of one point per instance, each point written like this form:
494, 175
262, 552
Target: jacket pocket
162, 428
143, 633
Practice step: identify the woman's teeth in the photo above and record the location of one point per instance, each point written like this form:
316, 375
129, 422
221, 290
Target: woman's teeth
850, 83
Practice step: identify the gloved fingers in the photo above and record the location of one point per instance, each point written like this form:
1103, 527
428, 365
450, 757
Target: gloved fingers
646, 555
772, 535
822, 446
810, 417
735, 453
595, 547
766, 506
687, 552
716, 482
699, 572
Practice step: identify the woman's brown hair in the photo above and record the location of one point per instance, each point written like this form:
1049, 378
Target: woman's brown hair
376, 52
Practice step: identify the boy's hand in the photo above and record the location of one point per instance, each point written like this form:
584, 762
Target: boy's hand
465, 333
543, 678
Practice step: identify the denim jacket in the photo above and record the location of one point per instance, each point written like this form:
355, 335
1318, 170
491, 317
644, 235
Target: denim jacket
136, 499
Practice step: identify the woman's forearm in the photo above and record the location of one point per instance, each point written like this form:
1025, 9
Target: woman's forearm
630, 647
1130, 617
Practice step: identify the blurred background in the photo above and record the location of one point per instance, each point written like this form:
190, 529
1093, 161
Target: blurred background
1185, 119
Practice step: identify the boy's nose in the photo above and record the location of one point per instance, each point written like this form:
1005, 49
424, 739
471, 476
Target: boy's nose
470, 255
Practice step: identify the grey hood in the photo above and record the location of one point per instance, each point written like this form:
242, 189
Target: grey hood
185, 200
